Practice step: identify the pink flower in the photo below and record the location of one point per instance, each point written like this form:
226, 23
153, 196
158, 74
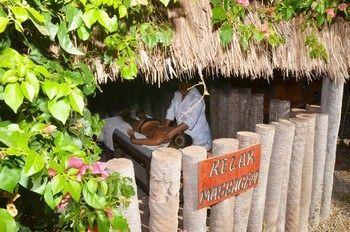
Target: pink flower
265, 29
244, 3
75, 162
64, 201
82, 171
52, 172
99, 168
342, 7
330, 12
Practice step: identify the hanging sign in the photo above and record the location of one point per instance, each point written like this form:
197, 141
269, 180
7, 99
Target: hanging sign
224, 176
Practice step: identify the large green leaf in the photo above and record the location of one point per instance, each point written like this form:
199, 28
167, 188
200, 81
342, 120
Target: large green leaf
83, 33
165, 2
35, 15
219, 14
51, 28
93, 200
13, 137
28, 90
9, 178
90, 17
50, 88
7, 222
74, 17
34, 163
10, 76
49, 197
13, 96
122, 11
3, 23
226, 34
74, 188
33, 80
109, 23
76, 100
20, 13
59, 109
65, 41
58, 183
103, 223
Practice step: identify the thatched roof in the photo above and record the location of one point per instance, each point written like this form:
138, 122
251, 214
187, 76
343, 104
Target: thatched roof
196, 47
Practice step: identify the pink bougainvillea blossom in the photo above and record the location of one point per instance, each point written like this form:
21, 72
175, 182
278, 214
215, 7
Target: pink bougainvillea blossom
265, 29
64, 201
244, 3
75, 162
330, 12
99, 168
52, 172
343, 6
82, 171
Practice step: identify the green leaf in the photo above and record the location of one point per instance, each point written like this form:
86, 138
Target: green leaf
65, 42
34, 163
50, 88
59, 109
49, 197
258, 36
74, 188
129, 71
58, 183
92, 185
76, 100
20, 13
33, 80
122, 11
83, 33
165, 2
38, 184
9, 178
35, 15
93, 200
7, 222
103, 223
9, 76
3, 23
28, 90
13, 96
109, 23
74, 17
119, 223
51, 28
90, 17
226, 34
219, 15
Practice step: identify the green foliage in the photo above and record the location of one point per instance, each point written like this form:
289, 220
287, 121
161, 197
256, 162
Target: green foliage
7, 223
316, 48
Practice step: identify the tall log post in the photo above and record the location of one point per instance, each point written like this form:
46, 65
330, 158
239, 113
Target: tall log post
295, 111
279, 109
312, 109
126, 169
194, 220
245, 108
214, 111
281, 222
243, 201
257, 110
306, 185
164, 189
221, 214
266, 133
233, 112
275, 177
295, 174
319, 163
331, 103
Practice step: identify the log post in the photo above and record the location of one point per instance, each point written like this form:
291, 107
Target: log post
295, 175
243, 201
164, 189
275, 177
221, 214
126, 169
319, 163
245, 104
306, 185
331, 103
233, 112
257, 110
281, 222
295, 111
312, 109
279, 109
194, 220
266, 133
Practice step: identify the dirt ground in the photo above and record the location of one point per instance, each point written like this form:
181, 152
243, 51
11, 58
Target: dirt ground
339, 221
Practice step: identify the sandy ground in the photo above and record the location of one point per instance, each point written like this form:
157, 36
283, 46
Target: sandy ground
339, 221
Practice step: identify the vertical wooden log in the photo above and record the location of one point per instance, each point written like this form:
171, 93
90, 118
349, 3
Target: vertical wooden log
221, 214
245, 108
243, 201
331, 103
306, 185
281, 222
126, 169
319, 163
312, 109
266, 133
233, 112
295, 174
214, 112
295, 111
275, 177
164, 189
279, 109
221, 107
194, 220
257, 110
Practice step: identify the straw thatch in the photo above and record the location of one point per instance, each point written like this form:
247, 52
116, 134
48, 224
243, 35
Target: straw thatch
196, 47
